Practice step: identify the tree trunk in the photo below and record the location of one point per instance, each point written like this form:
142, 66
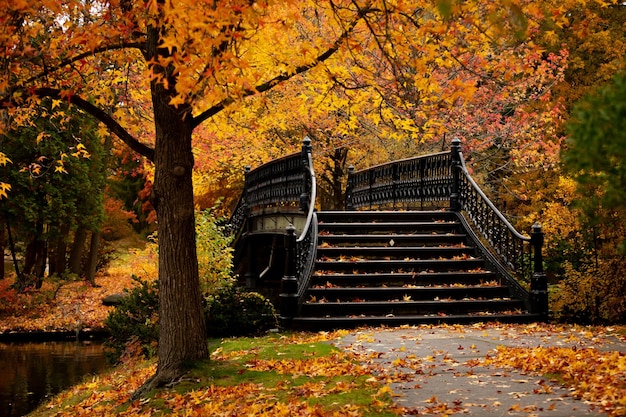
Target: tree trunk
92, 264
76, 253
30, 255
182, 332
182, 328
60, 251
41, 258
2, 245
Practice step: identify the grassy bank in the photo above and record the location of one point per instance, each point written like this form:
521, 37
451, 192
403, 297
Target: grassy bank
276, 375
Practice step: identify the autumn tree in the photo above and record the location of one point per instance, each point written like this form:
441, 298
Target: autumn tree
46, 202
400, 88
152, 72
195, 59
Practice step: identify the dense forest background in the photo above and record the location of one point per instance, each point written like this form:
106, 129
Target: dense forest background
536, 91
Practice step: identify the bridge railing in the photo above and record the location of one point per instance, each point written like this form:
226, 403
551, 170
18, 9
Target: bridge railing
513, 253
441, 180
422, 181
283, 185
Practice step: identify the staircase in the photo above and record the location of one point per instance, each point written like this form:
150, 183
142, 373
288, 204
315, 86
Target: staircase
401, 267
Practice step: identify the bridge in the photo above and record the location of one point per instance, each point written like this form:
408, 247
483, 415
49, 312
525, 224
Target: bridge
418, 242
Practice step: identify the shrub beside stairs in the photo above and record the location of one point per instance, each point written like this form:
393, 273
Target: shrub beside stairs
401, 267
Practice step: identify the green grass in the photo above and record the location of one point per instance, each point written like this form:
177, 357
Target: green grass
226, 379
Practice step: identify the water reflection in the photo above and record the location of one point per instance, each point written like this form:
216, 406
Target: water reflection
31, 372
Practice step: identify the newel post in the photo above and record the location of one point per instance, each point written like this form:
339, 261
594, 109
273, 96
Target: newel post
538, 281
306, 172
349, 187
289, 282
455, 153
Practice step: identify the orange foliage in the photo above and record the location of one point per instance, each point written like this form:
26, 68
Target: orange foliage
73, 305
596, 376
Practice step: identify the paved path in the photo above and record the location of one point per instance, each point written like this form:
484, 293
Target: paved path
437, 369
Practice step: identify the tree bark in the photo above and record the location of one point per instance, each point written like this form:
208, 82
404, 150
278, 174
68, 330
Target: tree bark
92, 263
182, 329
60, 251
76, 253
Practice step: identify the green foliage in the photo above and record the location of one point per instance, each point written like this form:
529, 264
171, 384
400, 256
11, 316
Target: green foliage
590, 257
596, 150
233, 312
135, 319
215, 256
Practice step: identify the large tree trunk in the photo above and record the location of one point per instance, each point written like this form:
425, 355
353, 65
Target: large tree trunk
182, 329
182, 332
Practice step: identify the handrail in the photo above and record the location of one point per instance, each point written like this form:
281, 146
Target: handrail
490, 204
440, 180
312, 186
510, 250
286, 182
507, 243
423, 179
281, 182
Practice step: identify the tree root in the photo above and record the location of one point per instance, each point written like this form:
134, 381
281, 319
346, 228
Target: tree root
158, 380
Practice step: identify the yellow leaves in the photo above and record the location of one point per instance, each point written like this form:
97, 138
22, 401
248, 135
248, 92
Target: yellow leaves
41, 136
177, 100
596, 376
4, 189
81, 152
4, 160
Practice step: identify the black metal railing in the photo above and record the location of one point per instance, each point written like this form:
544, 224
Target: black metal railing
439, 180
514, 254
423, 181
284, 184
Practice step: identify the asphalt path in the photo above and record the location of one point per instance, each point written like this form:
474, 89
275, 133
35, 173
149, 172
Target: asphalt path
438, 370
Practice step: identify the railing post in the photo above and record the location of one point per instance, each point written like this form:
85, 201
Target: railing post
538, 281
289, 282
306, 192
456, 163
349, 205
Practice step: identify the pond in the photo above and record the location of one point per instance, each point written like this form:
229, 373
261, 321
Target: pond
33, 372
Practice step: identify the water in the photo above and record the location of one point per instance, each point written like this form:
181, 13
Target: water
32, 372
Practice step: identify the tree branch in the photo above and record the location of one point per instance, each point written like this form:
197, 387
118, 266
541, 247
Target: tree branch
139, 45
268, 85
102, 116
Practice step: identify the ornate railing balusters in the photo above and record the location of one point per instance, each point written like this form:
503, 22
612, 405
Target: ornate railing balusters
508, 249
284, 183
423, 180
439, 180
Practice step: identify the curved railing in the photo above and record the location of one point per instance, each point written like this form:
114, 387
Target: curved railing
408, 183
439, 180
284, 184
